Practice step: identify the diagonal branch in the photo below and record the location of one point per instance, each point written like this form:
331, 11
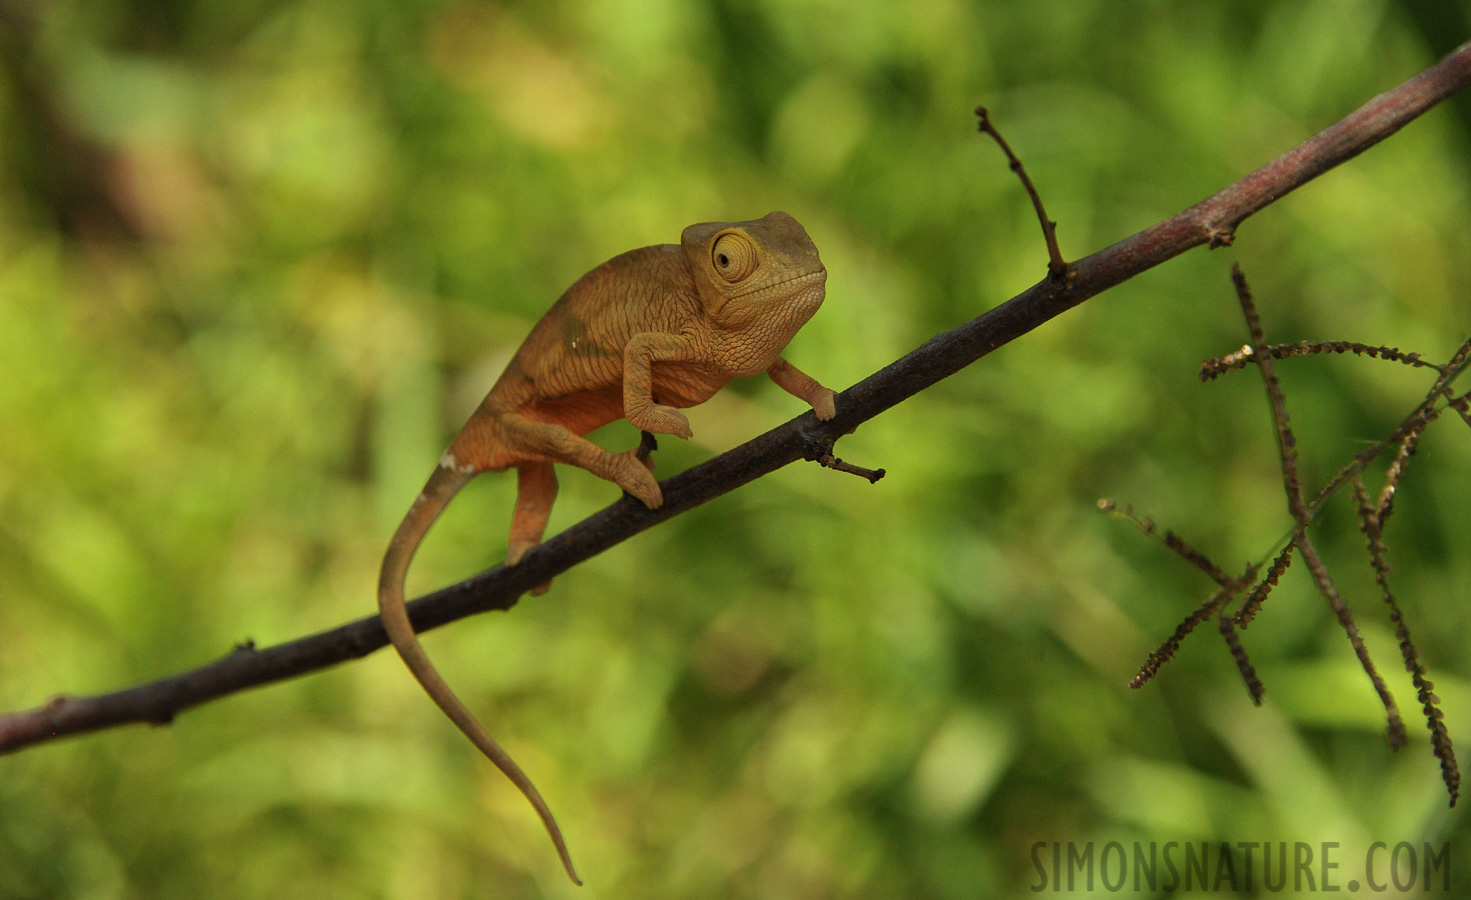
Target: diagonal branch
1212, 221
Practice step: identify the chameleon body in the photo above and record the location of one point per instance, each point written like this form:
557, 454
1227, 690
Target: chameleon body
638, 337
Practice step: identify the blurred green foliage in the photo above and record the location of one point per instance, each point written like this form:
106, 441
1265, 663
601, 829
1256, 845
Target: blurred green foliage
259, 259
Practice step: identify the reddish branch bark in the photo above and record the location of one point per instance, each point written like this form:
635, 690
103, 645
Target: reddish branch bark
1212, 222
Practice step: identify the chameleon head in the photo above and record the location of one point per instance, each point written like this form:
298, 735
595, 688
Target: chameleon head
762, 272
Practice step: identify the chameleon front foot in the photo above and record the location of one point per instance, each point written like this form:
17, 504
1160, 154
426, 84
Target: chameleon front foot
824, 404
661, 420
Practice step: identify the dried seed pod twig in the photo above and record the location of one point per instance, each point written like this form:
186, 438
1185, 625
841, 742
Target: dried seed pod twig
1286, 441
1243, 662
1231, 362
1371, 522
1324, 581
1258, 595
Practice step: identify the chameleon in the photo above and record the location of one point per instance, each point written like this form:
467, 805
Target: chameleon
639, 337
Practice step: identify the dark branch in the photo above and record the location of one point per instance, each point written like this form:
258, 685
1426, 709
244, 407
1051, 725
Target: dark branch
1213, 221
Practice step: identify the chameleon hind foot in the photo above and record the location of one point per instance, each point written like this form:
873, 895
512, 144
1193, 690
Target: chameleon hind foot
631, 473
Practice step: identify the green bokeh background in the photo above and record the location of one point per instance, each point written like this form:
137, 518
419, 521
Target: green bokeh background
258, 260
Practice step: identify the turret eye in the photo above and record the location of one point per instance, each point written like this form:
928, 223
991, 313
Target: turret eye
734, 257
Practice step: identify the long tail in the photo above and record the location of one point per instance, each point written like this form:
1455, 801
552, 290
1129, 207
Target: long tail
442, 487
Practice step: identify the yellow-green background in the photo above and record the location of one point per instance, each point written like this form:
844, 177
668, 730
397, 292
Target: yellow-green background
308, 234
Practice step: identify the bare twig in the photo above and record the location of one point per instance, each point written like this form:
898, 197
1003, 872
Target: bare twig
1212, 221
1461, 405
1145, 524
1371, 514
1172, 541
1057, 267
822, 454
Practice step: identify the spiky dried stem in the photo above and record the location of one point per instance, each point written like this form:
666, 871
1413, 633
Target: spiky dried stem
1198, 559
1427, 411
1126, 512
1211, 607
1324, 581
1397, 466
1254, 685
1371, 523
1171, 540
1258, 594
1462, 405
1166, 651
1286, 441
1242, 358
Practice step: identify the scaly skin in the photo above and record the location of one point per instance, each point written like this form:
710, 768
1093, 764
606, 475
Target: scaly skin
639, 337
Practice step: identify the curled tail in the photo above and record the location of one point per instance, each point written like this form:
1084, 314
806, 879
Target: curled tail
442, 487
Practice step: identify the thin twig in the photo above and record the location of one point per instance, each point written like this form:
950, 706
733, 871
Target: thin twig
1461, 405
1057, 267
823, 456
647, 444
1212, 221
1172, 541
1371, 514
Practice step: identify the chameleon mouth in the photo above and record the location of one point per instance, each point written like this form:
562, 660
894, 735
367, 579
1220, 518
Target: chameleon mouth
816, 275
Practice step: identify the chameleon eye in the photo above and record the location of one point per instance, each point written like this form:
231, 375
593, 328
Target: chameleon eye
734, 257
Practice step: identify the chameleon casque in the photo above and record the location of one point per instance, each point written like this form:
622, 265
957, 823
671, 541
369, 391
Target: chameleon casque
639, 336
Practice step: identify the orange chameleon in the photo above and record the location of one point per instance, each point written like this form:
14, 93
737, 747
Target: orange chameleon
643, 334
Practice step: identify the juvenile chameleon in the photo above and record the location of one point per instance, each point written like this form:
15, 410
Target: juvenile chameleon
639, 336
